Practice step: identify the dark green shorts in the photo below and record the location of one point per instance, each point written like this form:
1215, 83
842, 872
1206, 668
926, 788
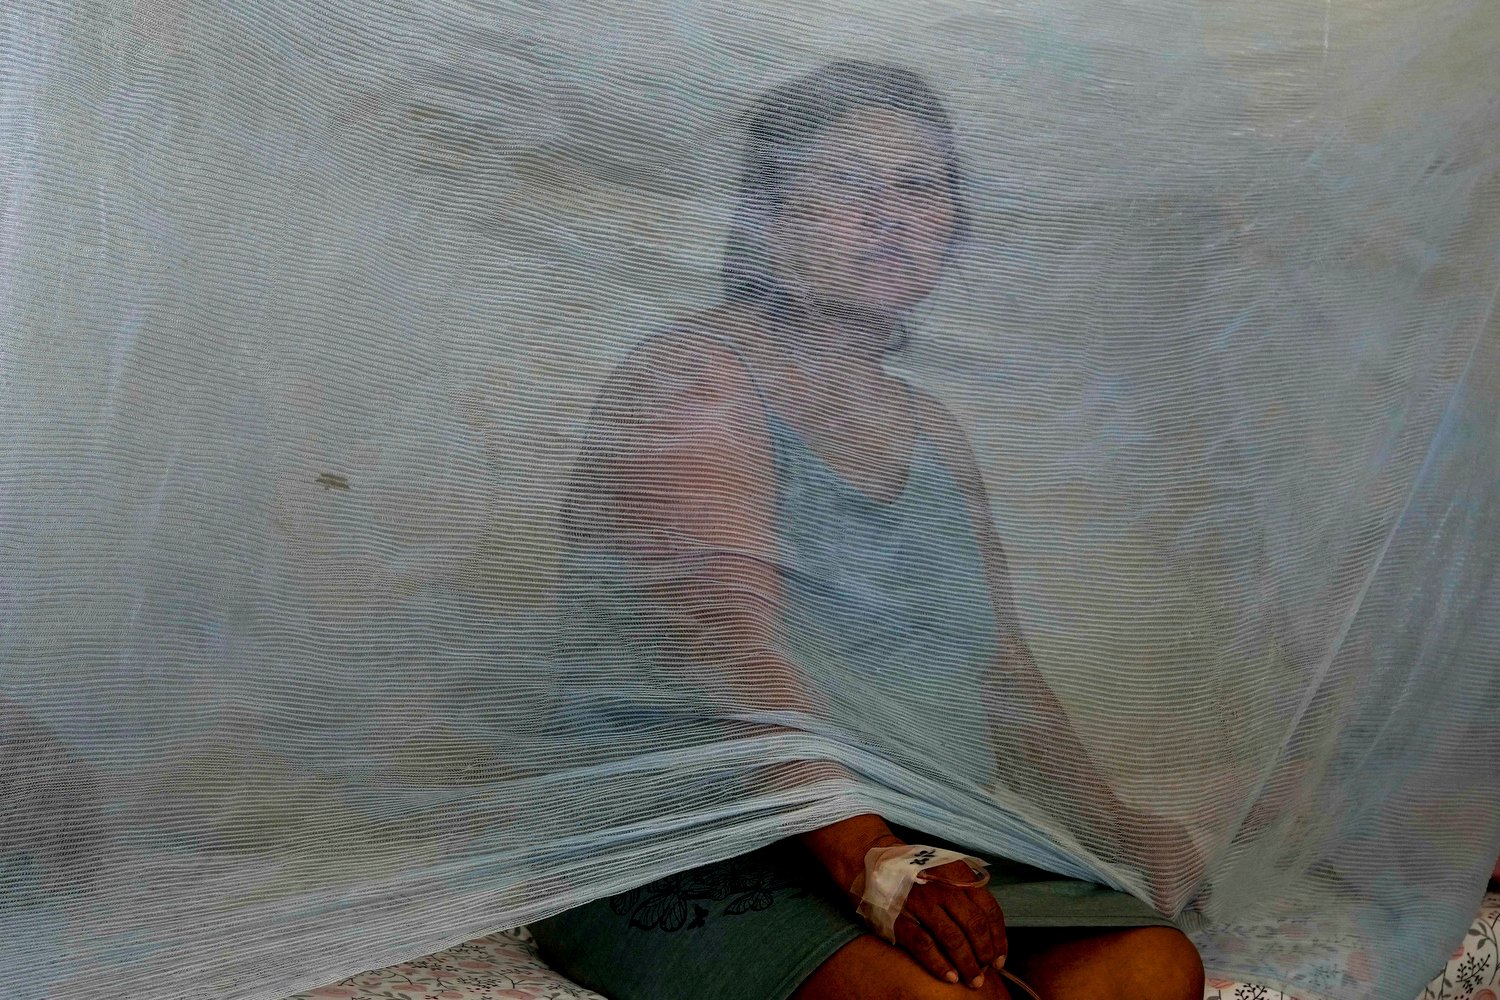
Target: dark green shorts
754, 927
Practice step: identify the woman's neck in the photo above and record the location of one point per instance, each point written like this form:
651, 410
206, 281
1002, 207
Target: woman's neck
831, 362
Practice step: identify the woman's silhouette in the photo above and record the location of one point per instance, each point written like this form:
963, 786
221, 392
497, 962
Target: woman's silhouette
766, 494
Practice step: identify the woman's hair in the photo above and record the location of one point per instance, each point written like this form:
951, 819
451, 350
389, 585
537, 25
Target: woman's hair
795, 114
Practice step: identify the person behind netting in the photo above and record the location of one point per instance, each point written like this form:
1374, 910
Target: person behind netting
765, 433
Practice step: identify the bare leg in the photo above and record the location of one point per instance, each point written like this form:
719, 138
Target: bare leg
1140, 963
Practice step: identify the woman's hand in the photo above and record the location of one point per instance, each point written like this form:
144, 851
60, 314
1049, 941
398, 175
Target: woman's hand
953, 933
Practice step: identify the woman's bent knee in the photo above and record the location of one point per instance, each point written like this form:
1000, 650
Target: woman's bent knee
1142, 963
1163, 964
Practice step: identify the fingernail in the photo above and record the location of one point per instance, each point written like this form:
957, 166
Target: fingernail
952, 976
999, 963
978, 981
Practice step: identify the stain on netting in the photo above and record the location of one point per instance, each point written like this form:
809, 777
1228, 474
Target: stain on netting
330, 481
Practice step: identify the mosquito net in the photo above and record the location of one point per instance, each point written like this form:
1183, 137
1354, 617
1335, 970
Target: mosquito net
459, 460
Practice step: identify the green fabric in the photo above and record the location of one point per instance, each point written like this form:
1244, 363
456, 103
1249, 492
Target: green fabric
754, 927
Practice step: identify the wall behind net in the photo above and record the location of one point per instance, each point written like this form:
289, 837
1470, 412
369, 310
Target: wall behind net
304, 310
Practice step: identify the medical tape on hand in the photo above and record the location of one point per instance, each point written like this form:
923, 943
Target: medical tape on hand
890, 873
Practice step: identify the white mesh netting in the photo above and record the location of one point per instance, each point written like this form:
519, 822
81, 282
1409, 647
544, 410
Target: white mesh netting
406, 531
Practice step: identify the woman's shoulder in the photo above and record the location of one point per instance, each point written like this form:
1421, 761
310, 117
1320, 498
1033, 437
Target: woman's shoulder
718, 333
686, 378
702, 354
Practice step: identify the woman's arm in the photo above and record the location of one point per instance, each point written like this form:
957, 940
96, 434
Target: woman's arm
681, 449
681, 452
1055, 763
1060, 758
685, 456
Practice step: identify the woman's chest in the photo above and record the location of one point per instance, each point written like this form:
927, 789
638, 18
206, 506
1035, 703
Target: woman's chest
865, 580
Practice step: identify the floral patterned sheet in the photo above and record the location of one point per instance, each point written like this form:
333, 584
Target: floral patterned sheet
1473, 971
505, 966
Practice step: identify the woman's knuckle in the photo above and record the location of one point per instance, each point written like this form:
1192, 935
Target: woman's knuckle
910, 935
957, 947
950, 933
975, 925
927, 954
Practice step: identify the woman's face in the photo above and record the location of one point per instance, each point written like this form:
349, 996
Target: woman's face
869, 216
